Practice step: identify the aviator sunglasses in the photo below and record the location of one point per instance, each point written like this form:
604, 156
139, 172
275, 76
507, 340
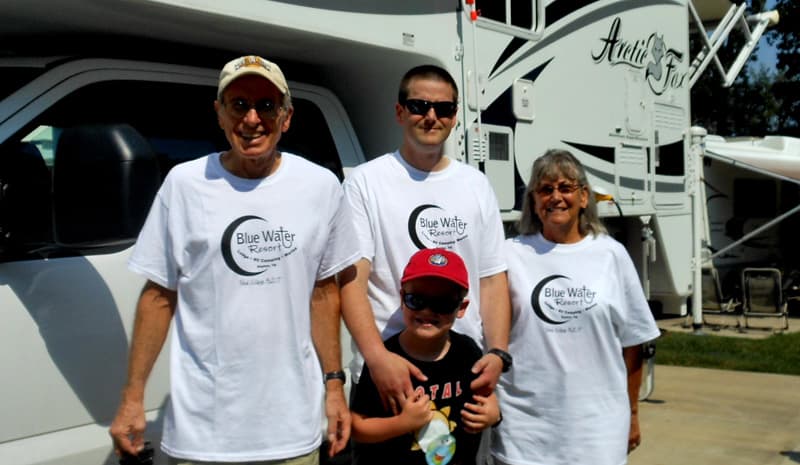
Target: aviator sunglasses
421, 107
239, 107
441, 305
563, 189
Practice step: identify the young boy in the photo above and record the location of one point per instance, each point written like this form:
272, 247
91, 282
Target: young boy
441, 423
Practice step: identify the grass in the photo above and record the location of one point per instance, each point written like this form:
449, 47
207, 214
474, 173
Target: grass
779, 353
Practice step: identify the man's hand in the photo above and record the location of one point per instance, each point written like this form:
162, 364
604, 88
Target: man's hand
392, 374
127, 429
490, 366
635, 435
154, 313
338, 414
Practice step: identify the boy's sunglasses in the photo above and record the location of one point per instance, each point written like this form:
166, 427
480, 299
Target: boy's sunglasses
239, 107
441, 305
421, 107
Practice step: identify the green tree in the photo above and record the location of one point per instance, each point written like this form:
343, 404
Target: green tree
762, 100
785, 36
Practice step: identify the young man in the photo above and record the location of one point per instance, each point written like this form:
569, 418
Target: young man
251, 286
417, 198
439, 423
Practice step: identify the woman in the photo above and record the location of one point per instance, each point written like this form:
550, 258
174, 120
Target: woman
579, 319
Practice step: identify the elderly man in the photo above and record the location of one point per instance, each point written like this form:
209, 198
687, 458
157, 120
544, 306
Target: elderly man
251, 287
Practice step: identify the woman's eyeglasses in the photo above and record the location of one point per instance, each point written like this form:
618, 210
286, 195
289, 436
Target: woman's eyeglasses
421, 107
442, 305
239, 107
563, 189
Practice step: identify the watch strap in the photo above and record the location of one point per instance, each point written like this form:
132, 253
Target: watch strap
338, 374
505, 357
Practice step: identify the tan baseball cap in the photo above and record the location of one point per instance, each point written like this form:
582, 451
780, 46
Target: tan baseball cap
251, 64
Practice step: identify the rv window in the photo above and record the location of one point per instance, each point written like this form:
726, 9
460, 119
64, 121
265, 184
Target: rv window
755, 198
514, 13
499, 146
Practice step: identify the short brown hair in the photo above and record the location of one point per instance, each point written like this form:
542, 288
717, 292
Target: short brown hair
432, 72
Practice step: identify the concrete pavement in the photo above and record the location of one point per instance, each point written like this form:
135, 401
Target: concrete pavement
698, 416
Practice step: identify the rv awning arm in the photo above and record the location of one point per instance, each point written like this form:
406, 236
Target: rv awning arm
764, 227
734, 16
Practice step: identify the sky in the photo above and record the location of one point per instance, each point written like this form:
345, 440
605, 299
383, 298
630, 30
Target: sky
766, 54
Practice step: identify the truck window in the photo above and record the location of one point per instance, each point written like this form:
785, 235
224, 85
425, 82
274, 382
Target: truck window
178, 120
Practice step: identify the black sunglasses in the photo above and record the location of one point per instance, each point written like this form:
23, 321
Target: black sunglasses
421, 107
239, 107
441, 305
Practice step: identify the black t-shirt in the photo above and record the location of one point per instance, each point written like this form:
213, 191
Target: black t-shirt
448, 387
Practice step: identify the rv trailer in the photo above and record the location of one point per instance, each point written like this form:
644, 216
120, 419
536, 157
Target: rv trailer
99, 100
752, 194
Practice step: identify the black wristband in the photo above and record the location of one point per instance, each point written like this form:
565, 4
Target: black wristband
504, 356
339, 374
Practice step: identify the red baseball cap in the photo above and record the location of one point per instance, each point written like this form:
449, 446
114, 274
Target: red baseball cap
439, 263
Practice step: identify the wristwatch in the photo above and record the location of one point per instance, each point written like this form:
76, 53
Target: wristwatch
504, 356
339, 374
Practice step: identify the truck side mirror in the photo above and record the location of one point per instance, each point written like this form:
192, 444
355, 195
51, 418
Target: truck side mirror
25, 216
104, 179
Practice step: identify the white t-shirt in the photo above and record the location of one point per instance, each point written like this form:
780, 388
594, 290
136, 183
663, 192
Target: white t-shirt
574, 308
398, 210
244, 255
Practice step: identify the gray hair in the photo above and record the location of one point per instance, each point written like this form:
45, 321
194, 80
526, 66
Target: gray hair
550, 166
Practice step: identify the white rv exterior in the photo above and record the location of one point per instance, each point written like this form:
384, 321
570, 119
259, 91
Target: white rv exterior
605, 79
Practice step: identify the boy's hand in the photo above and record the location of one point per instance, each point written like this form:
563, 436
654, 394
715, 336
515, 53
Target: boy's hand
416, 412
480, 415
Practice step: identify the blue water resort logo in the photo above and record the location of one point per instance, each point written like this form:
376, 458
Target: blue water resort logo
662, 66
251, 245
555, 300
430, 226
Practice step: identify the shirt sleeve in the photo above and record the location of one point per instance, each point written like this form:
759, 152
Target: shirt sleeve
152, 255
355, 191
342, 249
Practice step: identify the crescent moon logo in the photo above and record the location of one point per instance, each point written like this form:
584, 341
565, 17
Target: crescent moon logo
227, 253
537, 308
412, 225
